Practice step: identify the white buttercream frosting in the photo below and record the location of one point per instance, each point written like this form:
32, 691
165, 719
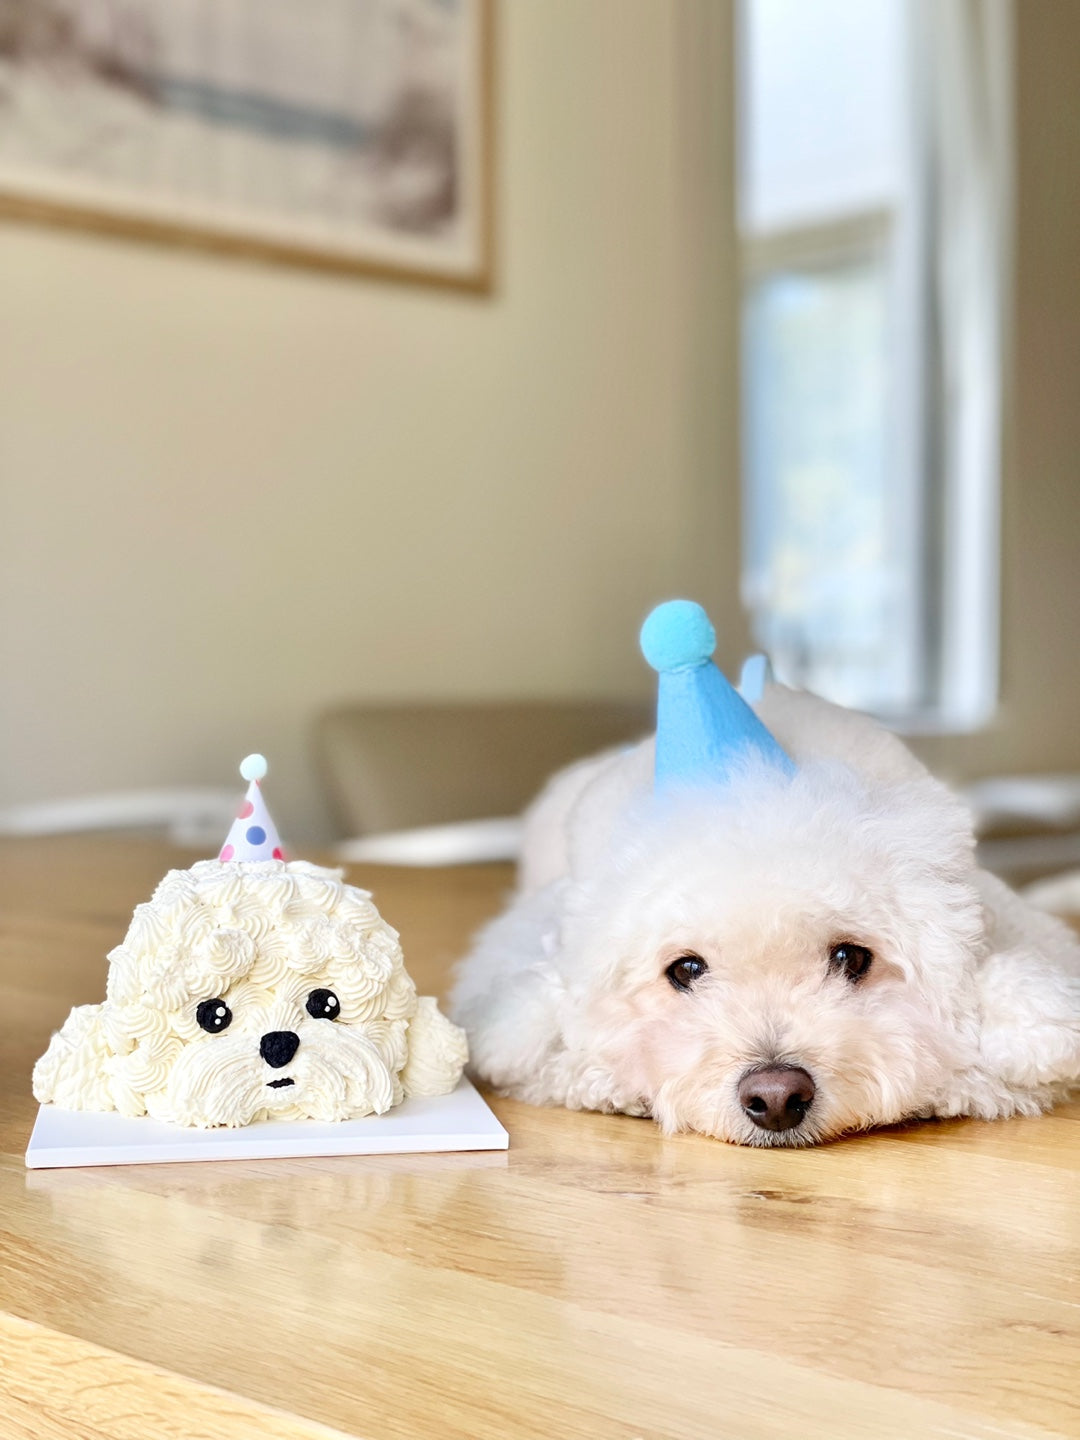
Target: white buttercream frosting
261, 938
438, 1051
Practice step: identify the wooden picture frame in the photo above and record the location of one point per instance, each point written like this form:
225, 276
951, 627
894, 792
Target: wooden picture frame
344, 135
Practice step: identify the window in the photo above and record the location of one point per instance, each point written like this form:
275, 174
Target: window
873, 191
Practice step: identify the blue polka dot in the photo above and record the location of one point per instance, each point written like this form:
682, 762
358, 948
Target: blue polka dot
256, 835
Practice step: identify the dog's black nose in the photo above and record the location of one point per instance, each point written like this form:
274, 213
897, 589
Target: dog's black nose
776, 1097
279, 1047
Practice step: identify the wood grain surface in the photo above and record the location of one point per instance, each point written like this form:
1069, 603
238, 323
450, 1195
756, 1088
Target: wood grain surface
596, 1281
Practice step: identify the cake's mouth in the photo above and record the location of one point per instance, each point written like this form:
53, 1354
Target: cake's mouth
280, 1084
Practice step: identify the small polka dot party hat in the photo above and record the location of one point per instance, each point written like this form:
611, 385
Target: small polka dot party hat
253, 835
704, 727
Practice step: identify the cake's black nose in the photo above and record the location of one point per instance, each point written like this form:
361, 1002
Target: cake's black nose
776, 1097
279, 1047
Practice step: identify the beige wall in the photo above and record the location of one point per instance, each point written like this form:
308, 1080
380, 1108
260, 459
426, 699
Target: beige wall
233, 494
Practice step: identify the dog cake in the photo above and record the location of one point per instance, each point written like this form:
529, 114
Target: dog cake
253, 987
767, 924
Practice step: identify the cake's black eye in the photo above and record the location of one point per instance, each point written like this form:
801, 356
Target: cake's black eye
851, 961
214, 1016
685, 970
323, 1005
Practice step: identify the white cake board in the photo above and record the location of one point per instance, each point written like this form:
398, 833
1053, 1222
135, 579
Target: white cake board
460, 1121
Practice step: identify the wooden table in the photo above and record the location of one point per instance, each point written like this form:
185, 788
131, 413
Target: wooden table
597, 1281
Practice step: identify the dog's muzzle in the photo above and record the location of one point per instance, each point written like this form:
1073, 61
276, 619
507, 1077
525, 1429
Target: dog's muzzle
776, 1097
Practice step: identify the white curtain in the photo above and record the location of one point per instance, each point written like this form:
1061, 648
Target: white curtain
963, 64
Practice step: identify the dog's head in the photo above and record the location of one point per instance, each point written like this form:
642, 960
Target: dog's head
786, 958
241, 991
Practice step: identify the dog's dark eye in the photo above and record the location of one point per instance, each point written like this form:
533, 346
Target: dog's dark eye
214, 1016
323, 1005
685, 970
852, 961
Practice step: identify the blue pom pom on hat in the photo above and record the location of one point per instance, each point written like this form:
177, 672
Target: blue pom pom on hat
704, 728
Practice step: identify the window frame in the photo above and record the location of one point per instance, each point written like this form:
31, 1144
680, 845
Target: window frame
952, 568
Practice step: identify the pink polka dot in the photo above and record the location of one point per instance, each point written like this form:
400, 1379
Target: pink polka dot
278, 853
227, 852
245, 810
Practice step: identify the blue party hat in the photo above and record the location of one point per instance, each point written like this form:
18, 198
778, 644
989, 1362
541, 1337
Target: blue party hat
756, 673
704, 729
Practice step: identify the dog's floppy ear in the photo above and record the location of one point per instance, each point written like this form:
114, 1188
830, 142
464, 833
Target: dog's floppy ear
438, 1051
73, 1071
1029, 996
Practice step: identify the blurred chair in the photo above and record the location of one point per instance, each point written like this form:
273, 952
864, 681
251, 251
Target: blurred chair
1001, 802
1028, 826
438, 783
187, 816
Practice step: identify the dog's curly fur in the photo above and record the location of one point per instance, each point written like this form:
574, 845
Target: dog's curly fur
971, 1005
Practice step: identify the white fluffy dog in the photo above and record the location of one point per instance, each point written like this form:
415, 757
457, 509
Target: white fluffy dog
253, 990
775, 961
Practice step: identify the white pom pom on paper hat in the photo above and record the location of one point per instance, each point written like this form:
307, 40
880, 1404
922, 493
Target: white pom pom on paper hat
253, 835
253, 767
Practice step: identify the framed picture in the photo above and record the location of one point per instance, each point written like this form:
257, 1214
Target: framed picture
346, 134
